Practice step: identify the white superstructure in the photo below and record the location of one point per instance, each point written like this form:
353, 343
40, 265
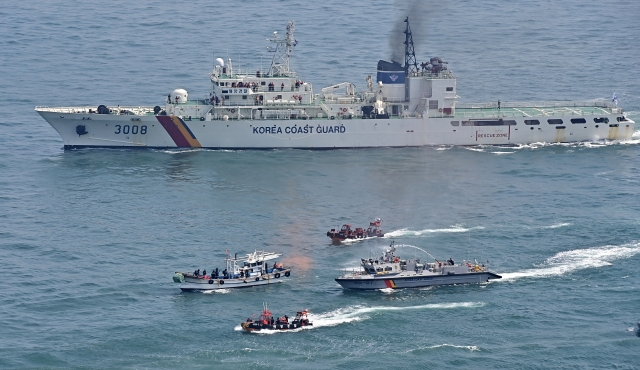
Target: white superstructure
406, 106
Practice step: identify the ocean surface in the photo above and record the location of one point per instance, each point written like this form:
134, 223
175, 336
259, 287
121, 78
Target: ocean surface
90, 239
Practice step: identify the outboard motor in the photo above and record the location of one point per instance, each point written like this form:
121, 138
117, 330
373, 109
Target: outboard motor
81, 130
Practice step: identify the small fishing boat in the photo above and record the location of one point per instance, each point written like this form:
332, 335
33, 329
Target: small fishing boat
266, 321
390, 271
347, 232
252, 270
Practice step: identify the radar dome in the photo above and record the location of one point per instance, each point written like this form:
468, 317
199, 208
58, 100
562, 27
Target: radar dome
220, 62
179, 96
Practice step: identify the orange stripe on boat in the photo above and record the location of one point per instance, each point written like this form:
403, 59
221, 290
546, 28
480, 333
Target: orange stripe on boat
184, 129
390, 284
179, 132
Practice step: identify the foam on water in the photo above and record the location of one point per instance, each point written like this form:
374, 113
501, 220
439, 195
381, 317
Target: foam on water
555, 226
445, 345
216, 291
575, 260
452, 229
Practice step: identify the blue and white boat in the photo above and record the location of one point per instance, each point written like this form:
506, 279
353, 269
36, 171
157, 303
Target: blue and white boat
252, 270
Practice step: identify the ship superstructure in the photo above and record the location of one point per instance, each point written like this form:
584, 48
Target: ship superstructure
409, 105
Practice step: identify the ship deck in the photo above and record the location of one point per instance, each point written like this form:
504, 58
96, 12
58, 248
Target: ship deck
462, 110
532, 109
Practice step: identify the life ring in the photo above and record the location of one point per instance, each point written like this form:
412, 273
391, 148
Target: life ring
344, 109
277, 275
396, 259
287, 274
221, 282
257, 278
210, 281
439, 109
233, 110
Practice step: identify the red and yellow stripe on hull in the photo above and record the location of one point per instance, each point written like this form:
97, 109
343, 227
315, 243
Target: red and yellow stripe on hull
390, 284
179, 132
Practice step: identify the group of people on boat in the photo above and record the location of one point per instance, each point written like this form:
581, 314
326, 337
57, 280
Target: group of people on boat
243, 272
271, 321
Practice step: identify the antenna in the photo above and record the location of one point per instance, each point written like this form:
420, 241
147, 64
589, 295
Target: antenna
410, 64
282, 52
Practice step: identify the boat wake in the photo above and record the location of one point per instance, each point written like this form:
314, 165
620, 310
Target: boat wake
554, 226
452, 229
444, 345
216, 291
359, 313
575, 260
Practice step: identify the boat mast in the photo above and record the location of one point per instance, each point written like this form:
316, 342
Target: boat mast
282, 52
410, 64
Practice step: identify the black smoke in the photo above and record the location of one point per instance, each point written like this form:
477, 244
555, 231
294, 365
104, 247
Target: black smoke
419, 13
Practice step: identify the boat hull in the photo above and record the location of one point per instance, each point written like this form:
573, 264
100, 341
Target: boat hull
368, 282
150, 131
259, 326
202, 284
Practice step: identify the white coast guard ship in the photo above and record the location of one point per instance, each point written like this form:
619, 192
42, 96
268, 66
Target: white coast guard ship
390, 271
408, 106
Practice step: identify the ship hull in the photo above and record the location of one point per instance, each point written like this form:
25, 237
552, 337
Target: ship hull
81, 130
370, 282
202, 284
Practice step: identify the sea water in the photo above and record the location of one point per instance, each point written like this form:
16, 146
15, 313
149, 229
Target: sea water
90, 239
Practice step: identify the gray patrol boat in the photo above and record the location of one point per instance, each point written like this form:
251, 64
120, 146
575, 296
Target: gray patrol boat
389, 271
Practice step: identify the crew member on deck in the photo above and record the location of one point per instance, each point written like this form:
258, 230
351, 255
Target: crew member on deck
450, 260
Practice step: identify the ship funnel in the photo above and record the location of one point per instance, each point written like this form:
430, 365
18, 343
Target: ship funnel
392, 76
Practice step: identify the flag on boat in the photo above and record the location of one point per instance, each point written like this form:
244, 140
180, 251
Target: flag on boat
614, 98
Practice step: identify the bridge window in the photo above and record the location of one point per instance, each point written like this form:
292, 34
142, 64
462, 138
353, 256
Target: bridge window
531, 122
455, 123
578, 120
449, 88
622, 119
601, 120
244, 97
555, 121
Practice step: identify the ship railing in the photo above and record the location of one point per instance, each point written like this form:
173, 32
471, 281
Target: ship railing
539, 104
138, 110
446, 74
351, 273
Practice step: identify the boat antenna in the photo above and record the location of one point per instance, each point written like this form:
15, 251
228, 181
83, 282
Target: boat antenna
410, 64
282, 52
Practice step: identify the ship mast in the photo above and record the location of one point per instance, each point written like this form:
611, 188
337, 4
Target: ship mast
282, 52
410, 64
